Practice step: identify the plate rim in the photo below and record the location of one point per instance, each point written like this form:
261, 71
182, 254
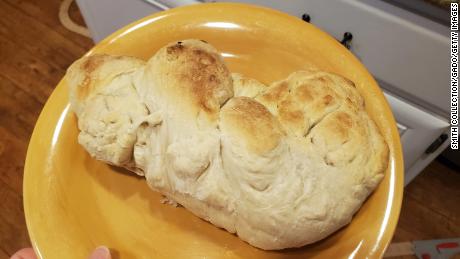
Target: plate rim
395, 159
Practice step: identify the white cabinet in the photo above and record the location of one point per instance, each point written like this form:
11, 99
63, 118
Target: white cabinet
418, 130
408, 54
106, 16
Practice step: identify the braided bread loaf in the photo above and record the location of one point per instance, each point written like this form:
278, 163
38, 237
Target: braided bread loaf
281, 166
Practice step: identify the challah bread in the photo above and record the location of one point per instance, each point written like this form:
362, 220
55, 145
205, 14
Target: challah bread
244, 86
108, 107
282, 165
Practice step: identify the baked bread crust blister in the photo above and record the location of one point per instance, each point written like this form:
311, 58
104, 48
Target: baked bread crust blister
281, 165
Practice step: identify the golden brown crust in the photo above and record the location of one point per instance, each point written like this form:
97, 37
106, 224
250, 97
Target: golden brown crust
245, 86
201, 72
252, 123
88, 66
302, 99
88, 72
194, 74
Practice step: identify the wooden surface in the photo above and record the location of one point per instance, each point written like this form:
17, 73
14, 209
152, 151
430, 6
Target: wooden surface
431, 205
35, 50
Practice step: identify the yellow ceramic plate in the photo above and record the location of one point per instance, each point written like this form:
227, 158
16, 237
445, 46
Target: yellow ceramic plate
74, 203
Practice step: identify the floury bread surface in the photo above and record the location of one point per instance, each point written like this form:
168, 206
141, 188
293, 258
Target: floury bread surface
280, 165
